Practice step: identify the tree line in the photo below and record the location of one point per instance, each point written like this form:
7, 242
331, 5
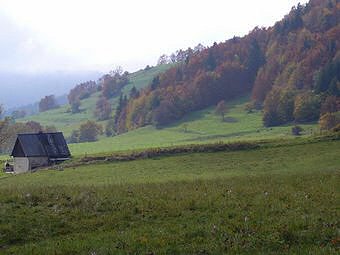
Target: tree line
9, 129
290, 70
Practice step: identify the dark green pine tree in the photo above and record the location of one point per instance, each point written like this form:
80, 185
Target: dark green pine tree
256, 59
210, 63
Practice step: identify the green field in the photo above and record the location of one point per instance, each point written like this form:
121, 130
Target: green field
201, 127
62, 119
65, 121
270, 200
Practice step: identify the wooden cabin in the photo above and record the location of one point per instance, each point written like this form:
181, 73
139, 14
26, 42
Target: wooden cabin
38, 150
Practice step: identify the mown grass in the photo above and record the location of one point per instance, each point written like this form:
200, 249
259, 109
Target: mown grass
202, 127
271, 200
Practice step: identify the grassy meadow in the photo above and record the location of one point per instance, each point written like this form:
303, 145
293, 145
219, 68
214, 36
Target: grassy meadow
63, 119
271, 200
197, 127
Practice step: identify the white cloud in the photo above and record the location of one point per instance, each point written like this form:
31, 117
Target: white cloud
68, 34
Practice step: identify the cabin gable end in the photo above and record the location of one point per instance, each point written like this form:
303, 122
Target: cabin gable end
18, 150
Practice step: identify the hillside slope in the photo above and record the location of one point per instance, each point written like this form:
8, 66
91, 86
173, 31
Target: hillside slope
197, 127
29, 88
298, 56
66, 121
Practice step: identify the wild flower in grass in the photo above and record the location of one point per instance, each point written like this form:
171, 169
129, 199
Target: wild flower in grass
55, 208
266, 193
214, 229
246, 219
336, 241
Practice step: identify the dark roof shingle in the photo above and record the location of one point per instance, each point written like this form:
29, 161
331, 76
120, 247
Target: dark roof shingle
52, 145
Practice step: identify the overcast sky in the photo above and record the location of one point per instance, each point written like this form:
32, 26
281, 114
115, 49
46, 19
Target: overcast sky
46, 35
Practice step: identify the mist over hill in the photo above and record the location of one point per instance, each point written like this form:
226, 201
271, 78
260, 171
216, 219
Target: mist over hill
19, 89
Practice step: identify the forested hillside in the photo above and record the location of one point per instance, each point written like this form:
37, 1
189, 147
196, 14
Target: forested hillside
291, 69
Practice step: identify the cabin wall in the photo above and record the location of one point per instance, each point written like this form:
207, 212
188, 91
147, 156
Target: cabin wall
38, 162
21, 165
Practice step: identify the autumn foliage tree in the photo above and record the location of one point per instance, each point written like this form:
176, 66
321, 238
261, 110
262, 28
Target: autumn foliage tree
328, 121
180, 55
47, 103
279, 107
89, 131
330, 105
307, 107
113, 83
330, 109
82, 91
9, 130
298, 50
103, 109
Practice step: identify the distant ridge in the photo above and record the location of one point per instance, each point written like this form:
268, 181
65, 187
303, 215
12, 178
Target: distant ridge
21, 89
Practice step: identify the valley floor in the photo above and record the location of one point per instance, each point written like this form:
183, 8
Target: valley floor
196, 128
279, 199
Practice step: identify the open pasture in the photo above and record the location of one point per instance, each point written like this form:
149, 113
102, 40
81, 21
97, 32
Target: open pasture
279, 199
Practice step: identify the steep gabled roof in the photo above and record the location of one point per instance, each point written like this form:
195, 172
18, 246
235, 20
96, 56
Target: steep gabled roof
52, 145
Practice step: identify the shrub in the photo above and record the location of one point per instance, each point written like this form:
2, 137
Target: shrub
74, 138
296, 130
110, 128
75, 106
89, 131
252, 106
